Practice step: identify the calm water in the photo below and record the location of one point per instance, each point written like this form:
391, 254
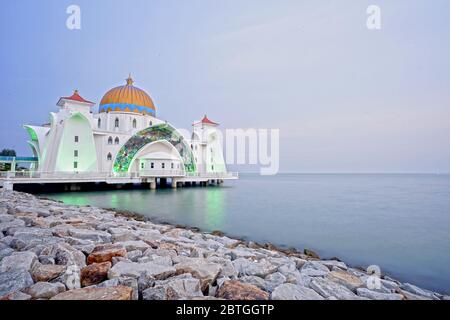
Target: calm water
399, 222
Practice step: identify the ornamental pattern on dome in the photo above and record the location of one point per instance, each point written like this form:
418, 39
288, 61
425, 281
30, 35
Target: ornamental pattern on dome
160, 132
128, 98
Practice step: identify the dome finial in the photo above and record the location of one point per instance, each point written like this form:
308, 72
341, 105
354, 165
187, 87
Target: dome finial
130, 80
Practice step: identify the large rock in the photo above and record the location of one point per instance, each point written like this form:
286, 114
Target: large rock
289, 291
94, 235
108, 293
65, 254
17, 223
46, 272
18, 260
105, 253
274, 280
16, 296
327, 289
176, 288
14, 280
418, 291
135, 270
201, 269
346, 279
332, 264
134, 245
45, 290
247, 267
94, 273
314, 269
71, 277
373, 295
235, 290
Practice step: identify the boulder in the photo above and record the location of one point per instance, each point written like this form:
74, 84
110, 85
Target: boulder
134, 245
94, 235
14, 280
71, 277
16, 223
255, 281
311, 254
16, 296
418, 291
176, 288
105, 253
108, 293
330, 264
247, 267
274, 280
18, 260
201, 269
289, 291
65, 254
45, 290
314, 269
327, 288
236, 290
373, 295
135, 270
5, 252
46, 272
94, 273
135, 255
346, 279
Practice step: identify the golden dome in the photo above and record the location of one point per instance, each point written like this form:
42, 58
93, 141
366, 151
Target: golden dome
128, 98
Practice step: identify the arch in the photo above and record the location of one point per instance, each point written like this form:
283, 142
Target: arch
99, 123
134, 123
116, 123
161, 132
150, 123
110, 140
109, 157
117, 141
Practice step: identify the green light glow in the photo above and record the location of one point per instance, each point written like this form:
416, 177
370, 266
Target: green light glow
214, 209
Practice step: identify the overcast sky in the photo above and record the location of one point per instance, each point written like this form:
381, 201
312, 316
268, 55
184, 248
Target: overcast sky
345, 99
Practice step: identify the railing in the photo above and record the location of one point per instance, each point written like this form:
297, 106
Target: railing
113, 175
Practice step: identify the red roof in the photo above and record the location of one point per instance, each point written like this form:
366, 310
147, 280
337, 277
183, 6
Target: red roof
205, 120
77, 97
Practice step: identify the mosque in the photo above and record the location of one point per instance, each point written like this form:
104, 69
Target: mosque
124, 141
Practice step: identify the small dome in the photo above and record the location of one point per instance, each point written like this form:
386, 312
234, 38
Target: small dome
127, 98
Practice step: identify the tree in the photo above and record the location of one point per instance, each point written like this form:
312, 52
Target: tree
8, 153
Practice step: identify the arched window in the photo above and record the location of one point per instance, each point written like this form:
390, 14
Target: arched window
110, 140
109, 157
99, 123
134, 123
116, 123
117, 141
150, 124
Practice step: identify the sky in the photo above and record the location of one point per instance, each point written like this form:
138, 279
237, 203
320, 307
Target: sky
345, 98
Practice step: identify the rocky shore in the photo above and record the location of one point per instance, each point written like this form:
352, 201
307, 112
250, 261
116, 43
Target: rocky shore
49, 250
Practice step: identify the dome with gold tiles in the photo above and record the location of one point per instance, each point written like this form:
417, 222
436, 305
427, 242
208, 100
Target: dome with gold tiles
127, 98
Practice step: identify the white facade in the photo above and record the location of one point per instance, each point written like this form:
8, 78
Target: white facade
79, 141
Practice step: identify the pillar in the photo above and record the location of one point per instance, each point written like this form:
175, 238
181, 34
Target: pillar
153, 184
174, 183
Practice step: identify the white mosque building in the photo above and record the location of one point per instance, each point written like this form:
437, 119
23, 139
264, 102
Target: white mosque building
124, 139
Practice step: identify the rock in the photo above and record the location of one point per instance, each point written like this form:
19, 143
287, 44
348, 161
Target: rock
134, 245
108, 293
94, 273
330, 264
46, 272
6, 218
122, 234
373, 295
105, 253
135, 255
255, 281
242, 252
289, 291
327, 288
97, 236
201, 269
177, 288
250, 268
228, 269
411, 296
14, 280
18, 260
16, 296
418, 291
71, 277
235, 290
5, 252
65, 254
314, 269
311, 254
274, 280
45, 290
343, 278
134, 270
16, 223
